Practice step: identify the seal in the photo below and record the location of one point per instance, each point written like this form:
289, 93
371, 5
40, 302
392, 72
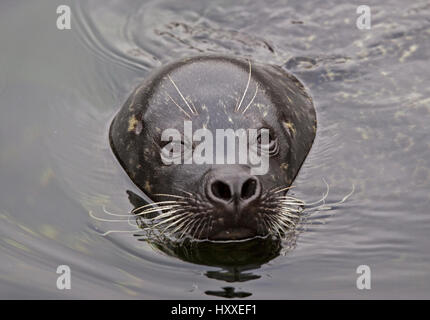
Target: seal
221, 200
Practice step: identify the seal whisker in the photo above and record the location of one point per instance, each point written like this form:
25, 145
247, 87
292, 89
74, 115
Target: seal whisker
184, 226
155, 203
180, 93
129, 221
210, 224
271, 229
186, 192
180, 108
114, 214
165, 215
283, 189
284, 225
328, 206
286, 221
182, 217
323, 198
252, 100
156, 221
158, 208
170, 195
179, 227
203, 227
277, 188
90, 213
202, 219
169, 219
120, 231
280, 209
276, 227
345, 197
276, 230
194, 107
322, 207
187, 227
292, 206
288, 214
190, 227
292, 202
288, 198
246, 88
151, 210
318, 220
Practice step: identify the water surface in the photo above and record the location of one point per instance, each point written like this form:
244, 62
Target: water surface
60, 89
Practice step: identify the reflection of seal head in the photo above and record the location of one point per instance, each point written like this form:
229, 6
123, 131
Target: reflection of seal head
217, 92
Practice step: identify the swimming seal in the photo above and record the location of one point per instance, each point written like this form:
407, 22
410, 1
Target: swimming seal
212, 200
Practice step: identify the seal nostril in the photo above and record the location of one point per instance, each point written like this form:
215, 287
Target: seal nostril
221, 190
249, 189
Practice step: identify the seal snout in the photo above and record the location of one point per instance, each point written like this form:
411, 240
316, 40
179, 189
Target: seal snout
234, 193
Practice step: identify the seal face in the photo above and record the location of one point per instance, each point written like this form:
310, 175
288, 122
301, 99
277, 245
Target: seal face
212, 200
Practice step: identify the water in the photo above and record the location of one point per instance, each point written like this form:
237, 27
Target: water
60, 89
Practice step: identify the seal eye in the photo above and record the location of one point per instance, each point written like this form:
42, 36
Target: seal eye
173, 152
272, 146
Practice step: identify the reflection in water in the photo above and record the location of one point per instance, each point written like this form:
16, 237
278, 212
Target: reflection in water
236, 259
235, 256
228, 292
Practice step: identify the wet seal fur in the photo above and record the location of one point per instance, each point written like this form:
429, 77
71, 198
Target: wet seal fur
217, 202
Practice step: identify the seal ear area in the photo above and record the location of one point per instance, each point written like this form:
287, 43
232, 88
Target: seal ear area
288, 95
296, 113
126, 134
291, 94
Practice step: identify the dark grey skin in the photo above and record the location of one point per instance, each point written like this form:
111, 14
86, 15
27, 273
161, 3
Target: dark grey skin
225, 201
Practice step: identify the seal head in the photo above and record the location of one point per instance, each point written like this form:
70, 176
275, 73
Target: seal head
222, 199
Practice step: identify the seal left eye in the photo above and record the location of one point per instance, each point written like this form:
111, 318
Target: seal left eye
171, 152
175, 151
170, 144
272, 147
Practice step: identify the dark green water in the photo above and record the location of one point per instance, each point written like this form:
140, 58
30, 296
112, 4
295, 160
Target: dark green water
60, 89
